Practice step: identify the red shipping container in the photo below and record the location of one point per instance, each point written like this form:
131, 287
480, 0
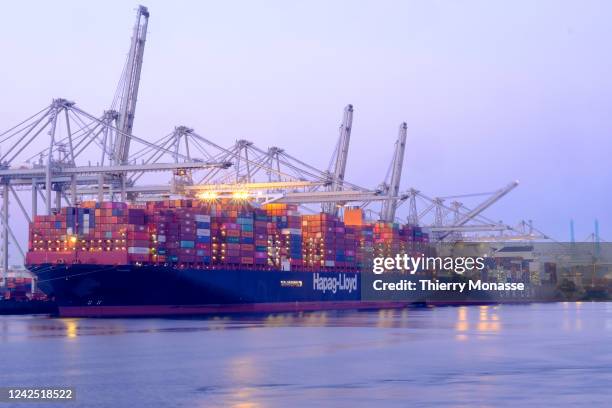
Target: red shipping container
138, 235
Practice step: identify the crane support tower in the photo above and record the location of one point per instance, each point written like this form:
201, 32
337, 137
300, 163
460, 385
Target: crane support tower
129, 95
389, 206
337, 180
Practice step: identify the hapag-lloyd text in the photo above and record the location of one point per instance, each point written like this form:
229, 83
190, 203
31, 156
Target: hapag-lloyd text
343, 282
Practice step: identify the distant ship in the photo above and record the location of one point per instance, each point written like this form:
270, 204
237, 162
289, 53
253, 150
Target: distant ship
19, 296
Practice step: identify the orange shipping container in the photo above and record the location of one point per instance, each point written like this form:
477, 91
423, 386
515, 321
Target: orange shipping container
353, 216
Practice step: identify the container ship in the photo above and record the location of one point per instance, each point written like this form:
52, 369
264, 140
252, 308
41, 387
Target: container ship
191, 256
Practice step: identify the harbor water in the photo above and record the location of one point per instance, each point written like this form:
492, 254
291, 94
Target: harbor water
554, 354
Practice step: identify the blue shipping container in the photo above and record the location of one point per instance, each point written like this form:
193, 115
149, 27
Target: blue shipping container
187, 244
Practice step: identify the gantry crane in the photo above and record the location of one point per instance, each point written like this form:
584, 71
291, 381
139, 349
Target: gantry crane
197, 165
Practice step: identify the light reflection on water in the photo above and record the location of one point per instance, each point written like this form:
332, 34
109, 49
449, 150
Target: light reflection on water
539, 354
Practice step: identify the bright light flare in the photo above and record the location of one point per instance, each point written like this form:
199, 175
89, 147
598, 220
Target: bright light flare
208, 195
240, 195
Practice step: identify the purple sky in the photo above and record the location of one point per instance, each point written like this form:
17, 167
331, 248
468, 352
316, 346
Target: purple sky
491, 91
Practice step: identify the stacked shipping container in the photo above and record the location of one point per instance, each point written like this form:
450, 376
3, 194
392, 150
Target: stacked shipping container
386, 239
138, 238
284, 235
180, 232
91, 233
260, 237
365, 252
18, 288
323, 236
213, 234
232, 234
203, 245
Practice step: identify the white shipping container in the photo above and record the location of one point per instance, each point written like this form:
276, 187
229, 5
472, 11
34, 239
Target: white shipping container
69, 231
203, 232
291, 231
138, 250
161, 238
330, 263
202, 218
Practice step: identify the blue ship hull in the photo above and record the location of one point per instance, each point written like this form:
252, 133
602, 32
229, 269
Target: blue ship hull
98, 290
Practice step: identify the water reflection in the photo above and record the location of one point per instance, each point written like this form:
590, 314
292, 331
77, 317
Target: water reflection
243, 370
385, 318
572, 319
462, 324
466, 321
427, 356
71, 327
488, 323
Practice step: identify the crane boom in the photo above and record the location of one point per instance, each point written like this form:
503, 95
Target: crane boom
129, 96
389, 206
487, 203
341, 155
483, 206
